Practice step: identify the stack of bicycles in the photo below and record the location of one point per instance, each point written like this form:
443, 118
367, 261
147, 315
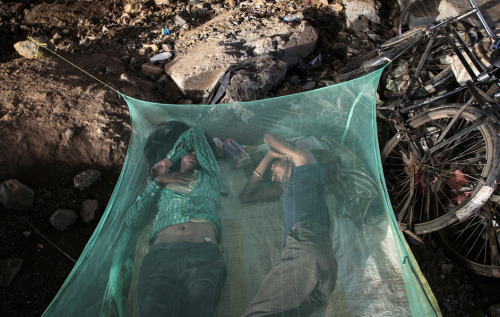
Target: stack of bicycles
441, 90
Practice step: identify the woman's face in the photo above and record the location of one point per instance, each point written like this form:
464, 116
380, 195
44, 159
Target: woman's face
279, 170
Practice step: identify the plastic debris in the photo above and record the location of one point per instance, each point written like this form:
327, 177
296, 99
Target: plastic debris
294, 18
237, 154
161, 57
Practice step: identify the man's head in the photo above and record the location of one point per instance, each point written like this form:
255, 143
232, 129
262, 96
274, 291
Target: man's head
163, 138
189, 163
280, 170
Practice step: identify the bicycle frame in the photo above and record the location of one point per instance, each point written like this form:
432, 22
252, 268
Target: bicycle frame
484, 75
474, 10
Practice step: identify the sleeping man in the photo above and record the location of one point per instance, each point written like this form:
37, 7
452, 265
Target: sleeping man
305, 277
184, 271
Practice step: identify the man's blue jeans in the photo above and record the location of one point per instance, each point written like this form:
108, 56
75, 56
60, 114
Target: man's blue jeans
181, 279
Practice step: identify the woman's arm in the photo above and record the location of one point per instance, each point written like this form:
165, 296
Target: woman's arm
251, 192
299, 157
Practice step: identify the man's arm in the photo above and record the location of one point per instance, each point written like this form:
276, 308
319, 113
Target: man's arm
195, 140
297, 156
141, 211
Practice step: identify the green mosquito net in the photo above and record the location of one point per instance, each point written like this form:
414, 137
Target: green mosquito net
371, 271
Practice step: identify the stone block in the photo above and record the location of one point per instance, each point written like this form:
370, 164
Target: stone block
15, 195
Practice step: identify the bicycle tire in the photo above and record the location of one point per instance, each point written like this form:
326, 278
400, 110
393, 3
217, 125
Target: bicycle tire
453, 182
418, 13
474, 242
378, 58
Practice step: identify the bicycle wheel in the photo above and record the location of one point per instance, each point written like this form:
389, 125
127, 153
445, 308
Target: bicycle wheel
427, 12
378, 58
474, 242
451, 183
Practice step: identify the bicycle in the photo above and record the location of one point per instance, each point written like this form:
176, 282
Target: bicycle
442, 163
434, 41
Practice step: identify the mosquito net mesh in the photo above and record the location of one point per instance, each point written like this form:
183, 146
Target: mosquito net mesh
345, 259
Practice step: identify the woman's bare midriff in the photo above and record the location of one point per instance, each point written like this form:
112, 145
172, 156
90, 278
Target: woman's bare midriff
194, 232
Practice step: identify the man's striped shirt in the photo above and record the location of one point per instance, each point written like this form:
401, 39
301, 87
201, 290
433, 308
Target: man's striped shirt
172, 207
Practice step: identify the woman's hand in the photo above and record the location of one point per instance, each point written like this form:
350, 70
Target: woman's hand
175, 177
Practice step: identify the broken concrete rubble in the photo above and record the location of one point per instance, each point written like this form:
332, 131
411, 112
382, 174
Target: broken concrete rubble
151, 70
210, 53
357, 8
248, 80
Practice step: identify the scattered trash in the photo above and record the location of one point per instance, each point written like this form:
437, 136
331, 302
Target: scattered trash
237, 154
165, 31
161, 57
219, 149
294, 18
316, 61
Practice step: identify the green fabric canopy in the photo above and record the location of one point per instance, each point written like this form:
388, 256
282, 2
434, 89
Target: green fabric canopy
377, 274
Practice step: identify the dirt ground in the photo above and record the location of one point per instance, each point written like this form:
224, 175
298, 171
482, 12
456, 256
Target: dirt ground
57, 121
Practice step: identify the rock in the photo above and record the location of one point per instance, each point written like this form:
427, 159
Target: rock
183, 18
15, 195
150, 47
85, 179
336, 7
494, 311
8, 269
356, 8
30, 48
134, 8
151, 69
309, 85
360, 25
255, 79
166, 47
163, 2
62, 219
89, 207
294, 80
300, 46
